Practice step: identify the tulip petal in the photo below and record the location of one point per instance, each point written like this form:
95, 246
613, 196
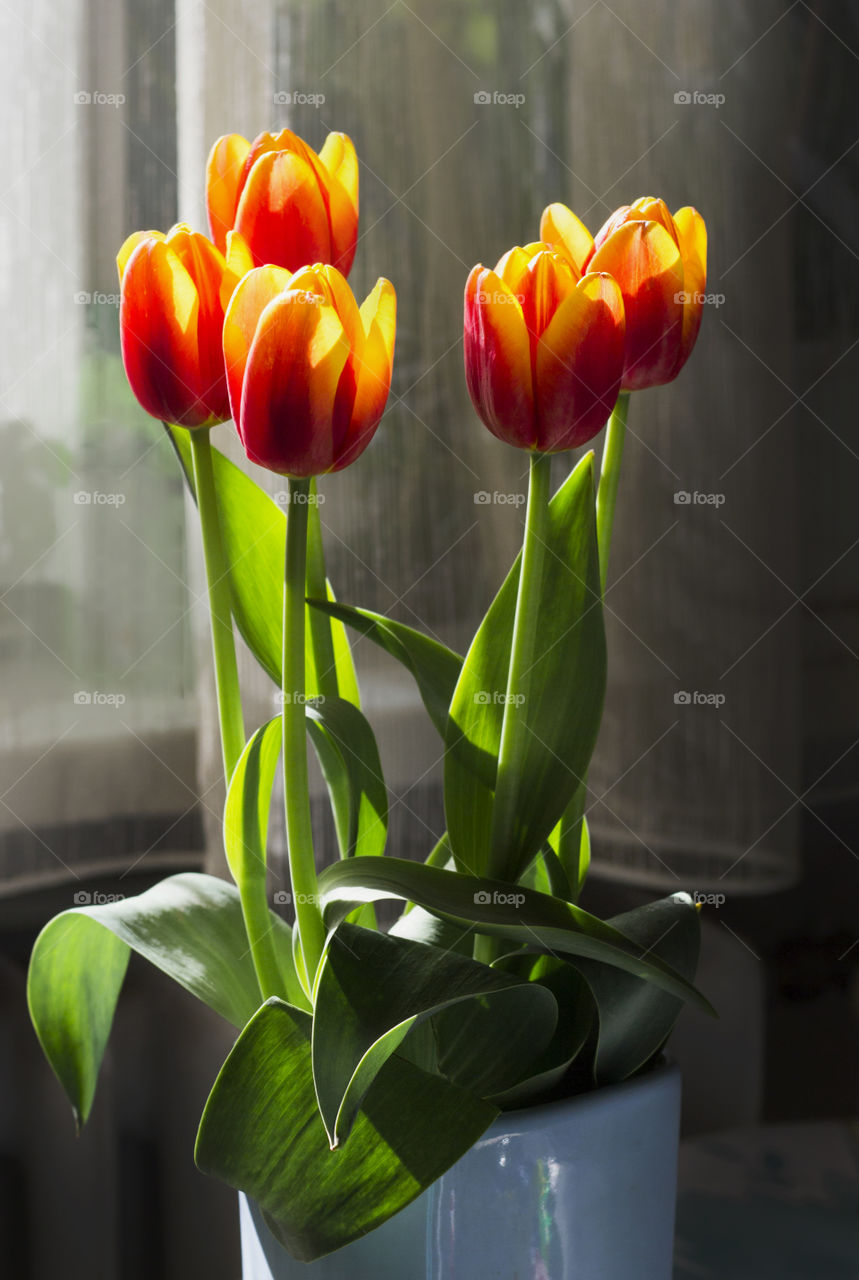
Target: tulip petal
239, 261
549, 280
373, 360
282, 213
692, 237
290, 385
652, 209
158, 332
224, 178
561, 229
497, 354
341, 164
252, 295
646, 263
130, 244
579, 364
205, 265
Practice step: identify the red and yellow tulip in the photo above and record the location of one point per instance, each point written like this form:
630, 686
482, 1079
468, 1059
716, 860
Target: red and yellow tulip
543, 348
660, 263
171, 316
291, 205
308, 371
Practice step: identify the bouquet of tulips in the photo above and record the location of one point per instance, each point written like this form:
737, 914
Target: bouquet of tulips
367, 1061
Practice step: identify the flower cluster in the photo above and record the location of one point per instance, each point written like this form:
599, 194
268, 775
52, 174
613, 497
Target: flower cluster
259, 324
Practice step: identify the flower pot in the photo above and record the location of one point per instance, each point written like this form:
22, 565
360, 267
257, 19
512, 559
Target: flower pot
582, 1189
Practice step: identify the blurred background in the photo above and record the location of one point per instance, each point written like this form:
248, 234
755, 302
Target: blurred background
728, 761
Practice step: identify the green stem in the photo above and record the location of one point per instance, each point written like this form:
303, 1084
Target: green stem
255, 911
609, 477
299, 832
569, 846
220, 608
522, 652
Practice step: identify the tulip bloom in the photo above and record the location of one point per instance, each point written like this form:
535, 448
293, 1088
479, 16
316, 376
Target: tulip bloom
660, 263
171, 315
291, 205
308, 372
543, 349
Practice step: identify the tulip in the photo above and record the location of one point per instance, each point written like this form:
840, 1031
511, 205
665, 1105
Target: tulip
291, 205
308, 372
171, 316
660, 263
543, 348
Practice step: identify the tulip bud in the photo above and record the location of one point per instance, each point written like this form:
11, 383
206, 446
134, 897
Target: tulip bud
170, 321
291, 205
660, 263
543, 349
308, 372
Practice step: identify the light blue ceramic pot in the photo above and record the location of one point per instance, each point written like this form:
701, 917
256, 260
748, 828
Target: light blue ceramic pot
576, 1190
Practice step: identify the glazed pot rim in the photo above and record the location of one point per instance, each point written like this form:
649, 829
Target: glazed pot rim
663, 1073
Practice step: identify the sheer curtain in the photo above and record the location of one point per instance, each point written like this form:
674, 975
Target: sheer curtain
98, 723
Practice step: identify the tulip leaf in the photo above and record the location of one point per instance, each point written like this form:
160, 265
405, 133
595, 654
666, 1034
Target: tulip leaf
253, 527
499, 909
576, 1018
349, 758
373, 989
246, 815
560, 718
435, 667
261, 1133
190, 926
636, 1018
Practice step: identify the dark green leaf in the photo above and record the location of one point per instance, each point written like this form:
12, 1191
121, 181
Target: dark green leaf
635, 1017
349, 758
496, 908
434, 667
561, 716
372, 989
262, 1134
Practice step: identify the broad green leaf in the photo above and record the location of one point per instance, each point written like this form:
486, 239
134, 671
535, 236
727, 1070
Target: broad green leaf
190, 926
422, 926
559, 719
635, 1018
572, 842
373, 989
349, 758
435, 667
253, 527
262, 1134
576, 1017
330, 669
499, 909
